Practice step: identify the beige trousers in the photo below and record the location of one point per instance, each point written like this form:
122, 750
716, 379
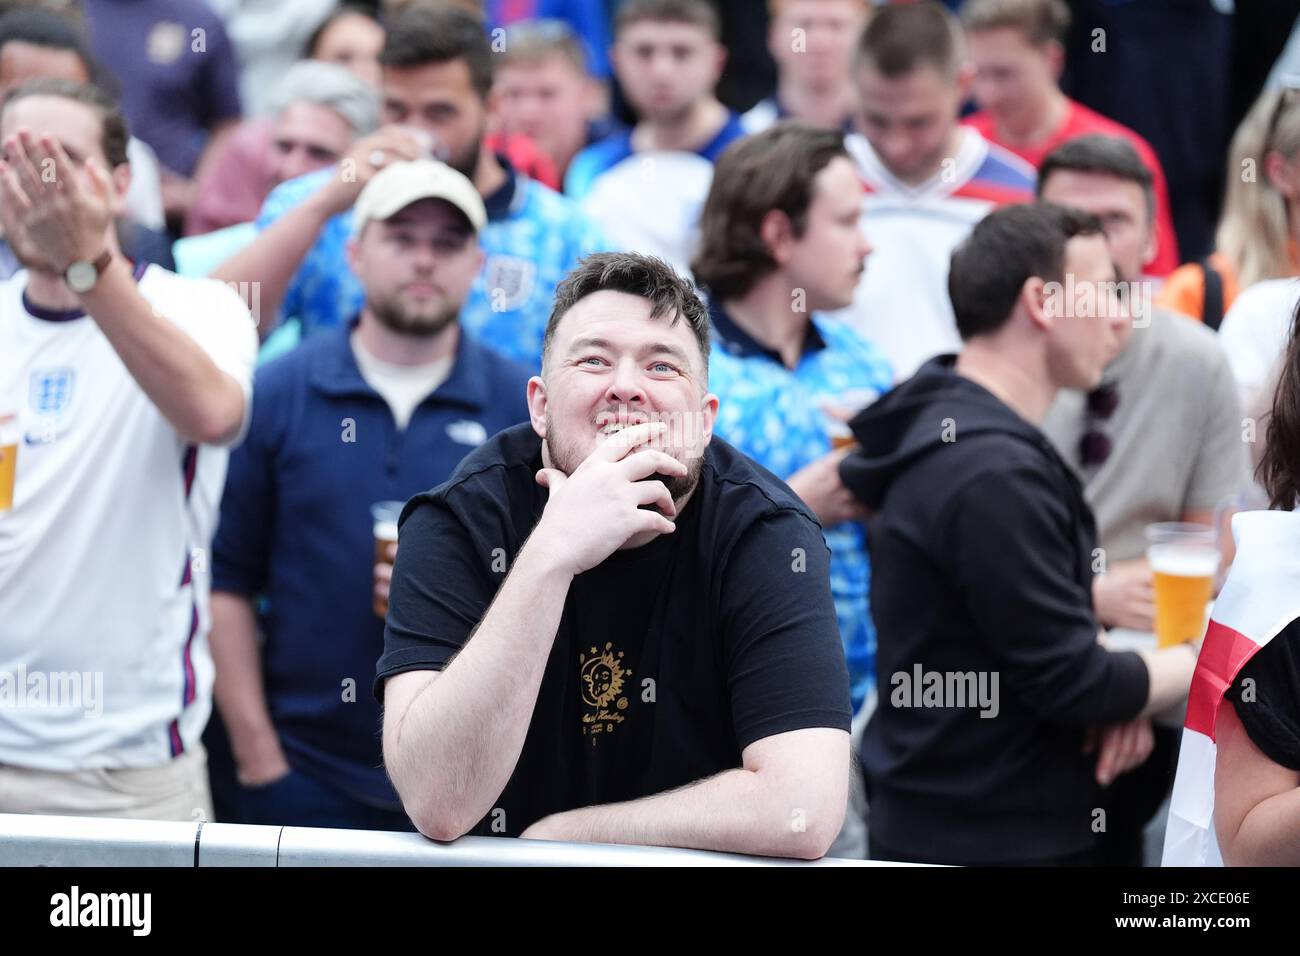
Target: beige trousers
177, 790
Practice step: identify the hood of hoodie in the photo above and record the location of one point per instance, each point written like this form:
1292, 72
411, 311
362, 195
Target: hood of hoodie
935, 408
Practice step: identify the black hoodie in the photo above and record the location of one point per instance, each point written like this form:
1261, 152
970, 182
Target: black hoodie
981, 565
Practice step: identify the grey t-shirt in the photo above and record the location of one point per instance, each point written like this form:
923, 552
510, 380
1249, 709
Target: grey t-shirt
1178, 443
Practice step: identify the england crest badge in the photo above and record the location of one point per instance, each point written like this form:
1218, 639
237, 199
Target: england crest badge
50, 390
510, 282
49, 397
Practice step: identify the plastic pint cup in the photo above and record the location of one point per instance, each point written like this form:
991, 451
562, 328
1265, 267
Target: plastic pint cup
385, 515
9, 441
839, 408
1184, 559
841, 437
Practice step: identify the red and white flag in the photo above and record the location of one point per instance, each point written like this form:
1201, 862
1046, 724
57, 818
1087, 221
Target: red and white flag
1259, 599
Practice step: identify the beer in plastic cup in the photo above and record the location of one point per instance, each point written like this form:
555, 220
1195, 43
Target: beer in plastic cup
839, 408
1184, 559
385, 515
9, 441
841, 437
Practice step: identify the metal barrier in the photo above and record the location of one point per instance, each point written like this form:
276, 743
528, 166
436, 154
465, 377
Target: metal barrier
35, 840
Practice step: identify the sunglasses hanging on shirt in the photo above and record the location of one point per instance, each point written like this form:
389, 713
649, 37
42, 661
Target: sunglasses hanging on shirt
1095, 446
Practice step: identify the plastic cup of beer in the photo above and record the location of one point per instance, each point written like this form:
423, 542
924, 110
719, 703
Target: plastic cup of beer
839, 409
1184, 559
9, 441
385, 515
841, 436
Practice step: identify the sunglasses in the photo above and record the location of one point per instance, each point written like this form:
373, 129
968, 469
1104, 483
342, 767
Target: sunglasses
1095, 446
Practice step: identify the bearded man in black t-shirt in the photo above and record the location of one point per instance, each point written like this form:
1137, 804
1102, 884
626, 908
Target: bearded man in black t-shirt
608, 626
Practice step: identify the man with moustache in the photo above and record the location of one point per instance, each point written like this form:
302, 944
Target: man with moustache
371, 412
607, 627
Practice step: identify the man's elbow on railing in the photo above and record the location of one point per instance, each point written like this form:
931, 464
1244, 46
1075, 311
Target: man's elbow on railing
436, 819
816, 842
813, 840
439, 825
433, 815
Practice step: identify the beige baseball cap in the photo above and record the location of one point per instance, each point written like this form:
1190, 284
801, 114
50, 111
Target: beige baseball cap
398, 185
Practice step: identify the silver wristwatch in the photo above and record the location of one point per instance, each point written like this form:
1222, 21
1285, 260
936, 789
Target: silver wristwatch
82, 275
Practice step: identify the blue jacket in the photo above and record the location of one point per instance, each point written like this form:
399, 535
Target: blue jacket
296, 532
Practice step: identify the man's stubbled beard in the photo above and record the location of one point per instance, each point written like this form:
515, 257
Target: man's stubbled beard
566, 458
395, 317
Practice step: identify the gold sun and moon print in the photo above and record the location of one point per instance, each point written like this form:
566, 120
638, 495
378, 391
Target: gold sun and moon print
603, 677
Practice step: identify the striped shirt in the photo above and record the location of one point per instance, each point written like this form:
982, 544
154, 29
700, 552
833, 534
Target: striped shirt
901, 305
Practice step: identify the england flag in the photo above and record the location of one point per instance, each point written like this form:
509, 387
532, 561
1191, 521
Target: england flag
1259, 599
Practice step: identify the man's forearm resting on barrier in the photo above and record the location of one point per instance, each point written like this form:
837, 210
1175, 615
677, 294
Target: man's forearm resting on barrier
452, 738
777, 804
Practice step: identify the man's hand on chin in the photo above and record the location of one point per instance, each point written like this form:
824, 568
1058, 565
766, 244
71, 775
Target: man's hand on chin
594, 511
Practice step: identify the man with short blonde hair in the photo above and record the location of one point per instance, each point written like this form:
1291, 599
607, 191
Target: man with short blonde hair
319, 109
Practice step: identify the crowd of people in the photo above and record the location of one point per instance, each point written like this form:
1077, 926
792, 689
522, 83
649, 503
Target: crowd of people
722, 433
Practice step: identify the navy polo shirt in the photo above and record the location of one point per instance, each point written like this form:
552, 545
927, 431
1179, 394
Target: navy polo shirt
296, 530
741, 344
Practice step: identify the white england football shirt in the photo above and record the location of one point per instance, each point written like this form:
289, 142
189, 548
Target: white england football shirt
650, 203
901, 305
103, 559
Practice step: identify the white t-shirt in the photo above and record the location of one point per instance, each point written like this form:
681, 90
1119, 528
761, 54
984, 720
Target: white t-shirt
1255, 333
650, 203
103, 559
403, 387
762, 115
901, 305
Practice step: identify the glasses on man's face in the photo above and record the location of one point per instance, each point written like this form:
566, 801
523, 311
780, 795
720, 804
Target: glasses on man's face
1095, 446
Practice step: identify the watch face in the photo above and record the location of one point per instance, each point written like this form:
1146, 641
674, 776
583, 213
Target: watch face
81, 276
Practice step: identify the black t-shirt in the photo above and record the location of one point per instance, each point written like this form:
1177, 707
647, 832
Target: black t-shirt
1272, 719
669, 659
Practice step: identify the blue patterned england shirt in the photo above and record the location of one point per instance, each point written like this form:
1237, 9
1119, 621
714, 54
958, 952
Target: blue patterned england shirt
533, 238
776, 416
